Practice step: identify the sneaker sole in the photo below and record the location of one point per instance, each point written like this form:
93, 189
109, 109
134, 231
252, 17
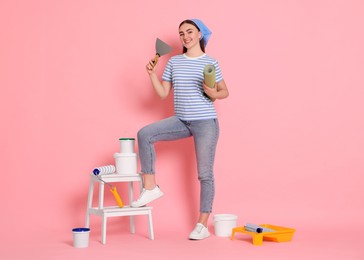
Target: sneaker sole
198, 238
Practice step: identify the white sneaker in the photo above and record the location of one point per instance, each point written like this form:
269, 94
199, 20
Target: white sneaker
147, 196
200, 232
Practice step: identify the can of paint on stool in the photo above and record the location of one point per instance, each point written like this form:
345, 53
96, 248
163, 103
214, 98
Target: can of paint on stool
126, 163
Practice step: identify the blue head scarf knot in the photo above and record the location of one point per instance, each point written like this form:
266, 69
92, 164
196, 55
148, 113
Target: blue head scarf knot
205, 32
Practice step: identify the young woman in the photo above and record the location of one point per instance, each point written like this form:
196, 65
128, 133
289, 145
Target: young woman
195, 116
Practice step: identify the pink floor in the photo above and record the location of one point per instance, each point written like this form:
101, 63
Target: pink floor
308, 243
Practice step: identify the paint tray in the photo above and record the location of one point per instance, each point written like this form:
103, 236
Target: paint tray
280, 234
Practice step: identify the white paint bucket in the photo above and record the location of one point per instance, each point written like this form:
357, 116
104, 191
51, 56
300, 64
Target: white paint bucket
80, 237
224, 223
127, 145
126, 163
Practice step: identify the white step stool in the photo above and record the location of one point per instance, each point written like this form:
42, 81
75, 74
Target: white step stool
116, 211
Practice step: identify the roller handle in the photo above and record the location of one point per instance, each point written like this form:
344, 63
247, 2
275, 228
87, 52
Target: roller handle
117, 197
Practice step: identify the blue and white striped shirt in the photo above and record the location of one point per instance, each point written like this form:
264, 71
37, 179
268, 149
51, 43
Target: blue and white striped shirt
186, 75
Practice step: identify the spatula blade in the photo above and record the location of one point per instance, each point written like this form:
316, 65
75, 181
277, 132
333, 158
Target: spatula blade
161, 47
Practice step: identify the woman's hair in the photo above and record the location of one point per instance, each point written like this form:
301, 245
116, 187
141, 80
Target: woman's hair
202, 44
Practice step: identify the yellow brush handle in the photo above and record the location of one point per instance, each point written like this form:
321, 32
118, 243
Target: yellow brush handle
117, 197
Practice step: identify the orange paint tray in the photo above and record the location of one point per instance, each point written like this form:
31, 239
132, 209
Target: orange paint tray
280, 234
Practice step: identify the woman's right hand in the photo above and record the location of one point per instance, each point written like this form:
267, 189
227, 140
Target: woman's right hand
151, 68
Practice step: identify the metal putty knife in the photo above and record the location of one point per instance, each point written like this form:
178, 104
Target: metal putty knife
161, 49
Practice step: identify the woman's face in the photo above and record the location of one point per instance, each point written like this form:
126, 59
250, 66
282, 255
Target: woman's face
189, 35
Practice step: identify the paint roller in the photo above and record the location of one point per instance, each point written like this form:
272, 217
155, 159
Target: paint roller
105, 170
209, 75
161, 49
256, 228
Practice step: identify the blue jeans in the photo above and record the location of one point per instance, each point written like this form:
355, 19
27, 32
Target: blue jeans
205, 134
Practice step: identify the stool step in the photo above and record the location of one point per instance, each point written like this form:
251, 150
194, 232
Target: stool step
125, 208
117, 211
113, 177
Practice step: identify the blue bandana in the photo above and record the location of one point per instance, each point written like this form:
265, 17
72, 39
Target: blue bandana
205, 32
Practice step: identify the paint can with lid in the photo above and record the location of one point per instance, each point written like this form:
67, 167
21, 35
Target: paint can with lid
127, 145
80, 237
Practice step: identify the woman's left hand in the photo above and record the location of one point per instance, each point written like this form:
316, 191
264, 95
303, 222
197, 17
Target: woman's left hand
210, 92
219, 91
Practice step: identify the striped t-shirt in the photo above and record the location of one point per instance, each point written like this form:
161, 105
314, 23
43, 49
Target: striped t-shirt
186, 75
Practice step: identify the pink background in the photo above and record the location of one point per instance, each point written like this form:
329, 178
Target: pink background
291, 150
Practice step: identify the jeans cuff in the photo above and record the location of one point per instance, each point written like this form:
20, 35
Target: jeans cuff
148, 173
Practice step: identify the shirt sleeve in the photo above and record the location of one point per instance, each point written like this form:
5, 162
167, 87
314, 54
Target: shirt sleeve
218, 72
167, 74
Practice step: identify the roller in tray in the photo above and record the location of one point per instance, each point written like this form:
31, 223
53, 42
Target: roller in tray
278, 234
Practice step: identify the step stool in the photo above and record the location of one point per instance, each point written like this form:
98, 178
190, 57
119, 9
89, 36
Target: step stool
116, 211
